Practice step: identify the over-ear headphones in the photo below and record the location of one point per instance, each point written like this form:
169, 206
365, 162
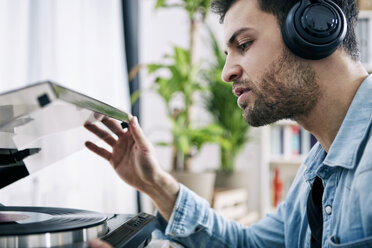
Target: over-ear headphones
314, 29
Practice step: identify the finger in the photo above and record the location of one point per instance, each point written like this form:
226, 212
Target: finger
138, 135
123, 148
96, 243
113, 126
104, 135
98, 150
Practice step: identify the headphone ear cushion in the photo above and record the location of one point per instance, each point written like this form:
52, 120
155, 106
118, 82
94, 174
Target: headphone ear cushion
315, 30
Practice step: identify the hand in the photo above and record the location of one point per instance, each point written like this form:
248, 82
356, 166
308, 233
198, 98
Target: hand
132, 155
97, 243
133, 158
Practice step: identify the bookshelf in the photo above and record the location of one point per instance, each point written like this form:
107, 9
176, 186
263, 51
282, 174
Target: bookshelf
284, 145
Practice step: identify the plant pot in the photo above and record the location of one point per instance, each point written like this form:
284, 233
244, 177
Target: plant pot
239, 179
201, 183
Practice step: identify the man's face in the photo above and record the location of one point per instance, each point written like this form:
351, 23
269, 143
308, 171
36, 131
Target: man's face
271, 83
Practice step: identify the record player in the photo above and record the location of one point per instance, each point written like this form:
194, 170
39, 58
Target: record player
32, 122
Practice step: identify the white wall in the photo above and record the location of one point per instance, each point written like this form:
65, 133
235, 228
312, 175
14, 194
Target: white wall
79, 44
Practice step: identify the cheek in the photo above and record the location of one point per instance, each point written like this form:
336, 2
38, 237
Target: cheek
260, 59
267, 49
254, 66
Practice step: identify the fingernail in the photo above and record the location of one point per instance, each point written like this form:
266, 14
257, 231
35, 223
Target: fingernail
95, 242
135, 121
104, 119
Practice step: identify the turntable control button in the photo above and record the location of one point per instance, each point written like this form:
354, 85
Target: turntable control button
142, 215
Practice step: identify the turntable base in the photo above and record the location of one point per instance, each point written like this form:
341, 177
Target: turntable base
63, 227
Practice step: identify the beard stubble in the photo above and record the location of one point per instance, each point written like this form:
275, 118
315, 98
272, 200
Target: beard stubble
287, 90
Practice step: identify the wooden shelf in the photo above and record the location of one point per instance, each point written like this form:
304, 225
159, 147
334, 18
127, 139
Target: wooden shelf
232, 204
285, 161
364, 6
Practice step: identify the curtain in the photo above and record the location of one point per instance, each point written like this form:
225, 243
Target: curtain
78, 44
131, 37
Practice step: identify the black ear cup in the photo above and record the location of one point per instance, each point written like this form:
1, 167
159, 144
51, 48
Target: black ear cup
314, 30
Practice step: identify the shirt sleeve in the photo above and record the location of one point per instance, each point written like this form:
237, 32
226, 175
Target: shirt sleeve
194, 223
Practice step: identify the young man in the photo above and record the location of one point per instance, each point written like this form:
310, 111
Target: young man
329, 204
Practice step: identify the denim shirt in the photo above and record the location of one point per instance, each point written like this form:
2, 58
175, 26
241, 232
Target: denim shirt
346, 172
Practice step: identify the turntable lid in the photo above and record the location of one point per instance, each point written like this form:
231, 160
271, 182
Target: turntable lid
43, 123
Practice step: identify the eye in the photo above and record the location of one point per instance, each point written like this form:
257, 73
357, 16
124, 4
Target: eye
244, 46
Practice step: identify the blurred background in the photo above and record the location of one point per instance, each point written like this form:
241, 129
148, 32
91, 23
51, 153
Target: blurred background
162, 61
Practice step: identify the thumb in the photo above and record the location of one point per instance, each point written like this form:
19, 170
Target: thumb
138, 135
96, 243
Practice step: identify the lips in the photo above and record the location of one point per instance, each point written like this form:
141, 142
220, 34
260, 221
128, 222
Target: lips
240, 91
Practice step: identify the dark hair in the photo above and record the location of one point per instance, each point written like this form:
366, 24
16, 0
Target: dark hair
280, 9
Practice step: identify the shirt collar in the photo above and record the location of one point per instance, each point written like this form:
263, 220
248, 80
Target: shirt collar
354, 128
344, 149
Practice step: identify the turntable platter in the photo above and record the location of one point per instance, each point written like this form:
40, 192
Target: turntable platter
48, 227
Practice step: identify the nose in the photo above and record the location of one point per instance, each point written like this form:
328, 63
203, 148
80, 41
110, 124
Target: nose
231, 72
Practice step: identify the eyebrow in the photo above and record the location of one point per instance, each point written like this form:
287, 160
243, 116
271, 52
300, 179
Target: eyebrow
234, 35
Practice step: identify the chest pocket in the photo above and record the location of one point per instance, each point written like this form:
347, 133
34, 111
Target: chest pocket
361, 243
353, 225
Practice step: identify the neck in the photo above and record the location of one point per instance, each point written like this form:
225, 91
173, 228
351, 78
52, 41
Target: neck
339, 79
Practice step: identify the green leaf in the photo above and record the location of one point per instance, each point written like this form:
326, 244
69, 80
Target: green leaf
151, 68
163, 144
135, 96
184, 144
160, 3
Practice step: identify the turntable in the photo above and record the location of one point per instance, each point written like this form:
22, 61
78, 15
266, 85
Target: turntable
32, 122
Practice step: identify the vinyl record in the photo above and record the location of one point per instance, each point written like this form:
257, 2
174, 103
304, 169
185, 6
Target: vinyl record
35, 220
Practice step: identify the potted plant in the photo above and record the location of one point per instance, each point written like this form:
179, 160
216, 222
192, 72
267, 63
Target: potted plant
181, 83
221, 103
